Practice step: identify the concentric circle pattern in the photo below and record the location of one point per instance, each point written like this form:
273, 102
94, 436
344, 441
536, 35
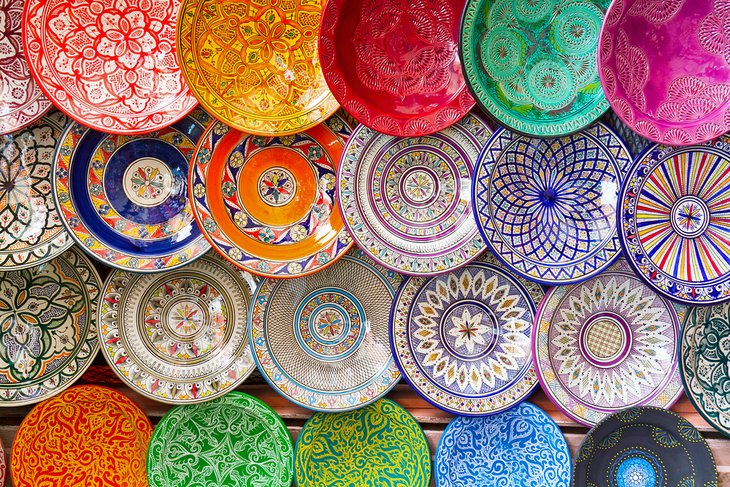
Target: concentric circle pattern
178, 336
547, 207
675, 221
322, 340
406, 201
607, 344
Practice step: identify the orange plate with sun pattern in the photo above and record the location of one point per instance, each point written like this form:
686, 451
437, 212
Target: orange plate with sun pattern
86, 436
254, 63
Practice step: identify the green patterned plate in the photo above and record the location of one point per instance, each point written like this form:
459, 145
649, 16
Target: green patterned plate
378, 445
531, 64
233, 441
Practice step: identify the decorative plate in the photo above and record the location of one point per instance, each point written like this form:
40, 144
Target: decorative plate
381, 444
607, 344
520, 446
31, 231
233, 441
272, 208
462, 339
179, 336
532, 64
674, 221
124, 198
704, 361
254, 65
47, 327
109, 65
21, 101
644, 446
87, 436
547, 207
665, 68
406, 200
322, 341
394, 65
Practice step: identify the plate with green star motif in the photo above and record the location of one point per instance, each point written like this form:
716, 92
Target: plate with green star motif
531, 64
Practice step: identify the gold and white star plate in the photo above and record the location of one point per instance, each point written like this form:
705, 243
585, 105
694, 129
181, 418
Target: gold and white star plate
462, 339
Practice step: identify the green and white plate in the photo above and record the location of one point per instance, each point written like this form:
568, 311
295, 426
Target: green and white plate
233, 441
532, 65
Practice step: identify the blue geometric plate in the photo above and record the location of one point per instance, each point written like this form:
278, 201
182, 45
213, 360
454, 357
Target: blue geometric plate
518, 447
547, 207
462, 339
124, 198
644, 447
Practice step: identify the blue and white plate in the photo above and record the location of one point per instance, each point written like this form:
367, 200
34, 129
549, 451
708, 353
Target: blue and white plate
547, 207
124, 198
518, 447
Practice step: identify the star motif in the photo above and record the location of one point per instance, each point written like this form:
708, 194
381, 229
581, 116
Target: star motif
468, 330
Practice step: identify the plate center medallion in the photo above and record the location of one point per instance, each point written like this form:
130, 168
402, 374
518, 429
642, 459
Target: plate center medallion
636, 469
186, 318
330, 324
605, 339
469, 330
690, 216
277, 186
147, 181
419, 186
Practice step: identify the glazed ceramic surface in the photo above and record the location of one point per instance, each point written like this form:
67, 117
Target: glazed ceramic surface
635, 142
665, 68
269, 204
607, 344
178, 336
47, 327
109, 65
3, 464
644, 447
233, 441
532, 64
547, 208
31, 231
406, 201
704, 363
254, 65
394, 64
462, 339
322, 340
520, 446
21, 100
381, 444
87, 436
124, 198
674, 221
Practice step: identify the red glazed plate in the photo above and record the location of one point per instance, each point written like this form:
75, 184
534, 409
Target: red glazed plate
109, 65
394, 65
665, 67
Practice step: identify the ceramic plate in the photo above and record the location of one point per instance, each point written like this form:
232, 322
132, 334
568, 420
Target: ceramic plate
644, 447
406, 201
21, 101
532, 64
87, 436
520, 446
271, 208
233, 441
178, 336
394, 65
675, 221
547, 207
322, 340
47, 327
254, 65
607, 344
703, 363
665, 68
462, 339
124, 198
31, 231
109, 65
381, 444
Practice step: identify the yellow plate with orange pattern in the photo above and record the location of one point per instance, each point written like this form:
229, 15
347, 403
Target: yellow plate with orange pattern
254, 64
268, 204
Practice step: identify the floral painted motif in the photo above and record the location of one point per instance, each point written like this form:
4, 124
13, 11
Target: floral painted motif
277, 186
